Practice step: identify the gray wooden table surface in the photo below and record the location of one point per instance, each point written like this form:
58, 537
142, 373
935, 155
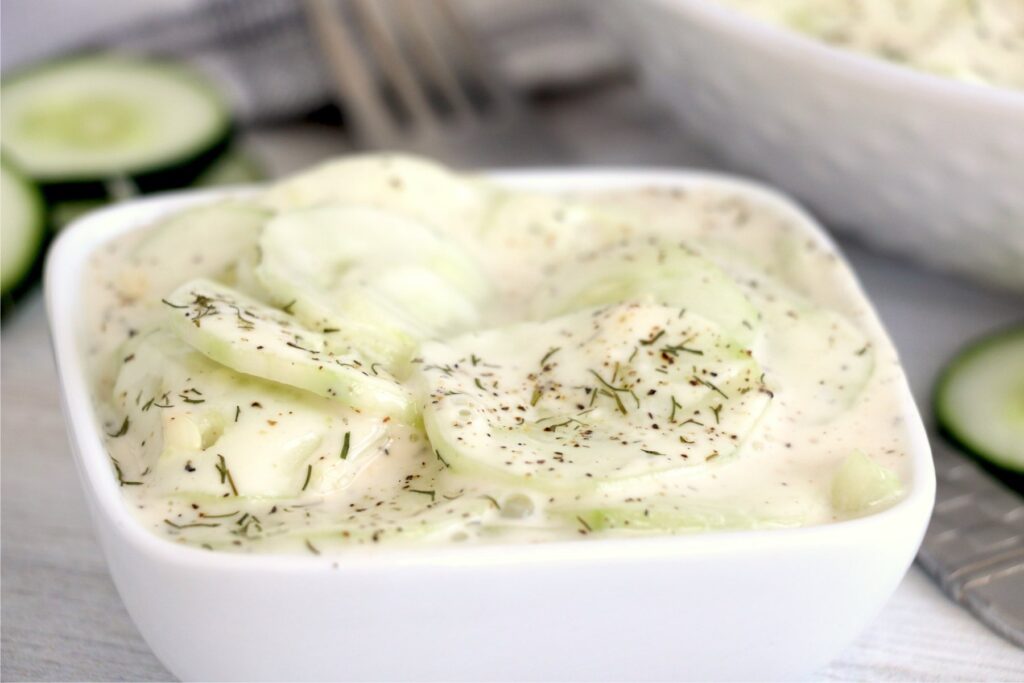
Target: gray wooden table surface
61, 616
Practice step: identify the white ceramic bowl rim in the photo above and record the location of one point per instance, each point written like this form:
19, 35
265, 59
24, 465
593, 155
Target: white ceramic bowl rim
65, 266
864, 67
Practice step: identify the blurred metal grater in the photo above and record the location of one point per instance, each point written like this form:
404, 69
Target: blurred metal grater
974, 546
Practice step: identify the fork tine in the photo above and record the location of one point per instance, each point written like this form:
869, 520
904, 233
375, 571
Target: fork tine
384, 44
476, 61
412, 76
355, 83
420, 25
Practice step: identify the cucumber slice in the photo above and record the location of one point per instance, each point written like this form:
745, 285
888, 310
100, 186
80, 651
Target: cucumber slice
378, 282
639, 390
861, 485
673, 516
408, 516
103, 126
404, 497
394, 517
672, 275
821, 353
419, 189
22, 228
203, 430
205, 241
243, 334
979, 400
546, 228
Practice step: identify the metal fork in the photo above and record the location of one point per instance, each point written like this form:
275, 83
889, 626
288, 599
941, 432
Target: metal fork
411, 76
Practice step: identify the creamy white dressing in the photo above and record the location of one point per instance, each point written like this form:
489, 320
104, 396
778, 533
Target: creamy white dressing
734, 405
980, 41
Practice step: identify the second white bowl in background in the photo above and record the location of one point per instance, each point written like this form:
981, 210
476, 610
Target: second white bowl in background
921, 165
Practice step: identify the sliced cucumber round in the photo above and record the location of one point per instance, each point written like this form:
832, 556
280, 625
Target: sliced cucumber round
861, 485
638, 390
416, 188
396, 517
204, 241
403, 497
22, 228
370, 280
979, 399
247, 336
672, 275
408, 516
677, 516
822, 353
546, 227
200, 429
102, 126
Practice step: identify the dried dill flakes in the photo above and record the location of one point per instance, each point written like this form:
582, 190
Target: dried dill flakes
711, 386
345, 445
552, 351
220, 516
190, 525
675, 349
444, 462
120, 475
122, 431
650, 340
675, 406
225, 474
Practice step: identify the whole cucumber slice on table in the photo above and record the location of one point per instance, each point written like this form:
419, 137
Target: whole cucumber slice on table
979, 401
100, 127
22, 227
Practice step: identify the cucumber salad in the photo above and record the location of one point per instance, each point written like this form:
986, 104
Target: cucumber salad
976, 41
381, 351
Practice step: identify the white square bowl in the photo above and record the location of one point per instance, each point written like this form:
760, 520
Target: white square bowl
730, 605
